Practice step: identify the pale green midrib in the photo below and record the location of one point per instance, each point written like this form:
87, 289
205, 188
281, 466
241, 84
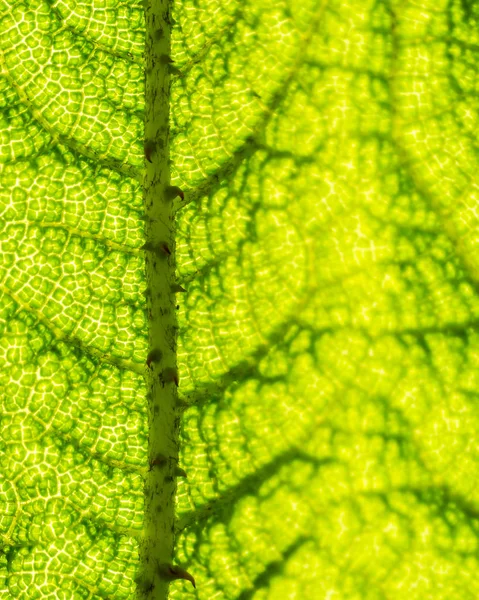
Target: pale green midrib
156, 546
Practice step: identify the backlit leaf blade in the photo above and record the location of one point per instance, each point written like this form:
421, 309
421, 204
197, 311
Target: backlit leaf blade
327, 341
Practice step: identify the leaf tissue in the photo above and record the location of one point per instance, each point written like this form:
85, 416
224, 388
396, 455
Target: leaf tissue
239, 273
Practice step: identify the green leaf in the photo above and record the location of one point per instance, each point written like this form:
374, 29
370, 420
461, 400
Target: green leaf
327, 239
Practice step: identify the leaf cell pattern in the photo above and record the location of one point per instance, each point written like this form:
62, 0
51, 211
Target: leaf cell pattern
328, 342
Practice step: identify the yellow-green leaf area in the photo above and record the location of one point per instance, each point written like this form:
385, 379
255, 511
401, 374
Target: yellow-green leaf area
327, 343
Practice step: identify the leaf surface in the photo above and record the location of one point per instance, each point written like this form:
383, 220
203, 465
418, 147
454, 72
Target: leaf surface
328, 344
